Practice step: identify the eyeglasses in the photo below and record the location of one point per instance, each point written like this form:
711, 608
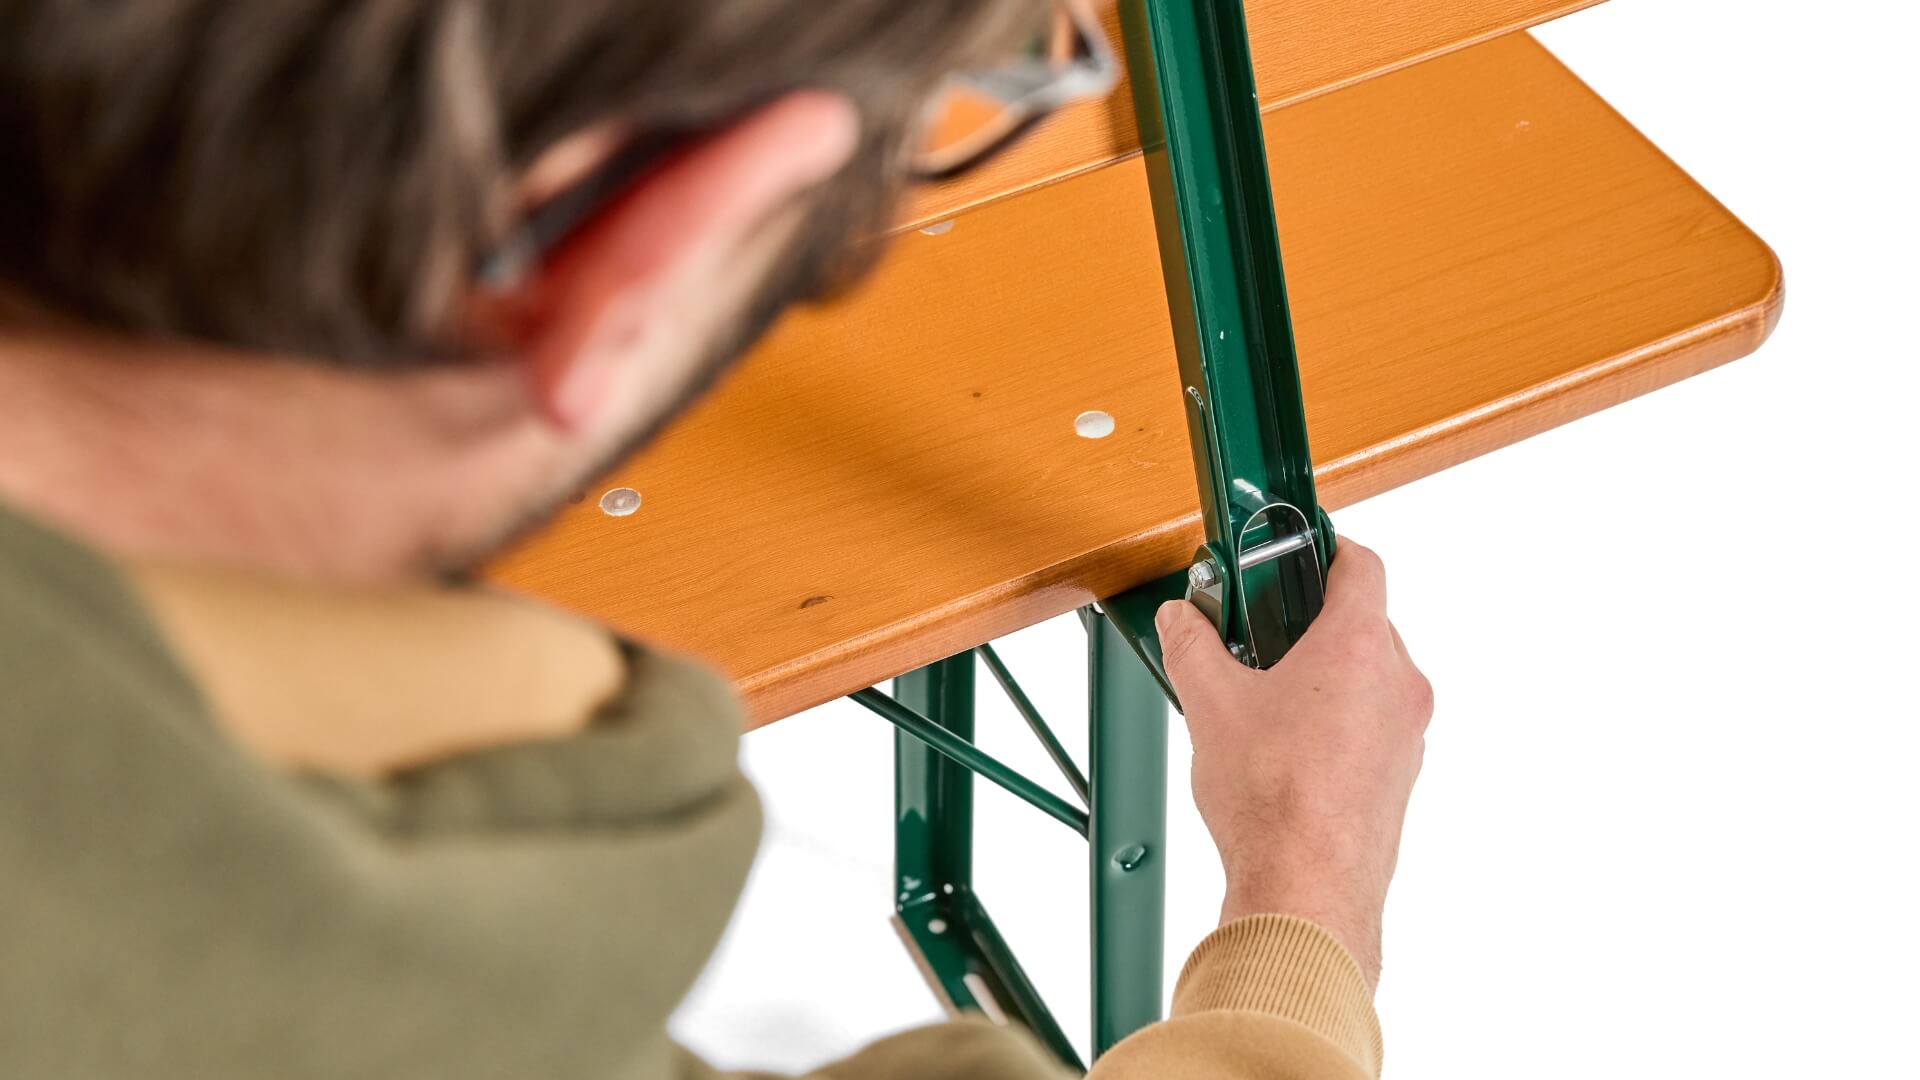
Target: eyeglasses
976, 116
1067, 58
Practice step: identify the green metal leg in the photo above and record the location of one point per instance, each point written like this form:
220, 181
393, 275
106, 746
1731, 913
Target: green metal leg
938, 915
932, 796
1127, 780
1260, 574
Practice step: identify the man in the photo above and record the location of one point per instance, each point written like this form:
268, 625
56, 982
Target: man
282, 352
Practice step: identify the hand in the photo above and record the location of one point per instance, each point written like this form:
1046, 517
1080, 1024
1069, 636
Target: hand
1302, 772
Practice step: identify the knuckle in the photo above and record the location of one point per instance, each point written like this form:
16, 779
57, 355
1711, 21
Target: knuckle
1366, 561
1177, 646
1367, 637
1368, 557
1422, 699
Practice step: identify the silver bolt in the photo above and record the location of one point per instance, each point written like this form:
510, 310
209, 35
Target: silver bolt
1238, 650
1203, 575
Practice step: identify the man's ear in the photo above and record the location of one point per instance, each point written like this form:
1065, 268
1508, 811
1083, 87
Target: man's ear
608, 290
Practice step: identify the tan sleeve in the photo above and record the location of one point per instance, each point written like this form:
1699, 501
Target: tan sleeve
969, 1049
1269, 997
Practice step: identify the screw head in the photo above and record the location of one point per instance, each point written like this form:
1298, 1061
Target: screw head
620, 502
1203, 575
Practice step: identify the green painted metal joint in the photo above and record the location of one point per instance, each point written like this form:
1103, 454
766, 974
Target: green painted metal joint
968, 962
1131, 614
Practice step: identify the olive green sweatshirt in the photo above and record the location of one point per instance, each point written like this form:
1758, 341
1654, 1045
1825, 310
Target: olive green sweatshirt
172, 906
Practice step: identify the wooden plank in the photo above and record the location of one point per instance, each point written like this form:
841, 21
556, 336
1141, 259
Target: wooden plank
1301, 48
1478, 249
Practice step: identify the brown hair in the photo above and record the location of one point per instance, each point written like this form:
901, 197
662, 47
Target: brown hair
319, 177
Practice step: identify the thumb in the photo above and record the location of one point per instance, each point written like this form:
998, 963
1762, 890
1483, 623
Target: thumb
1197, 661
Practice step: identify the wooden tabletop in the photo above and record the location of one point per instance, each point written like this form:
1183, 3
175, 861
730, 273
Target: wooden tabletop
1478, 248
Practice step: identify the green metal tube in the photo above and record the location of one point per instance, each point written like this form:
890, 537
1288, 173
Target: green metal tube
1024, 706
932, 795
1127, 842
964, 752
1200, 125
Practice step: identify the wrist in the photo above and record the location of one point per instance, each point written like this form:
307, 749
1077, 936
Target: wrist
1353, 923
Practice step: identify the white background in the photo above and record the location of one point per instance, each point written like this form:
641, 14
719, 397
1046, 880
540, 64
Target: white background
1667, 821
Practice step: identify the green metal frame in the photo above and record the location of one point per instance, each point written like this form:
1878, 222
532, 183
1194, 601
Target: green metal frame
938, 916
1260, 573
937, 912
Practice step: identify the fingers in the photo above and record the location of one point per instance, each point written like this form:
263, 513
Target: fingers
1195, 657
1199, 665
1357, 584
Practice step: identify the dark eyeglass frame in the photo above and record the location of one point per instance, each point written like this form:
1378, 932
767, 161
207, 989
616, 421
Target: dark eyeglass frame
1035, 89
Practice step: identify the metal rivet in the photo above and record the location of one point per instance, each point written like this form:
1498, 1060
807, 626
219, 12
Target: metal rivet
1093, 424
936, 926
620, 502
1130, 857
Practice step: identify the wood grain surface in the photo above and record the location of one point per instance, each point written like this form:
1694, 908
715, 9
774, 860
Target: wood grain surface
1478, 249
1301, 48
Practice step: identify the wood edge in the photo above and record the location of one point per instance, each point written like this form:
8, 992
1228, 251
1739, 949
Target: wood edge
952, 627
1505, 29
981, 202
1582, 392
947, 212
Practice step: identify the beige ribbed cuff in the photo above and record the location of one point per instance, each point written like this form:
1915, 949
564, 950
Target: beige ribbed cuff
1284, 966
